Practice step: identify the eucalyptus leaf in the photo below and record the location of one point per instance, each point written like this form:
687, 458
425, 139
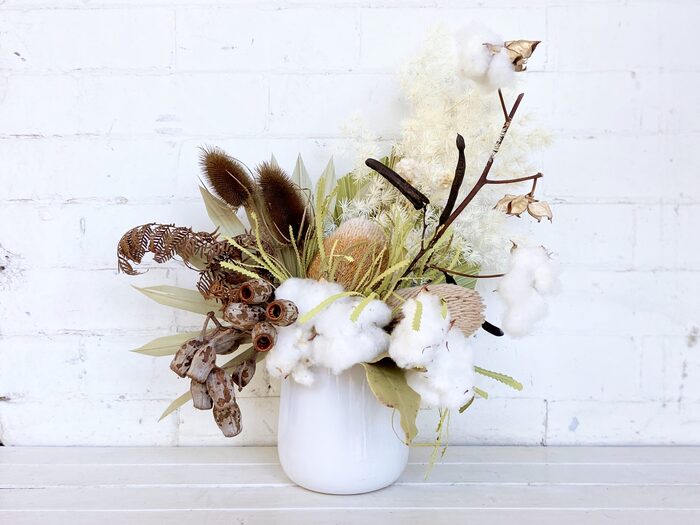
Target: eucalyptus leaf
388, 383
177, 403
181, 298
167, 345
223, 216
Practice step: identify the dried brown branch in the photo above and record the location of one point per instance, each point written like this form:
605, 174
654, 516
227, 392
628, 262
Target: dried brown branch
469, 275
482, 181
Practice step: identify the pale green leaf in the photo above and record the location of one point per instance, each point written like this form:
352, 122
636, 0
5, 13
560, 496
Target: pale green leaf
222, 215
177, 403
466, 405
481, 393
239, 269
417, 316
323, 305
357, 311
388, 383
301, 177
329, 181
506, 380
181, 298
167, 345
273, 160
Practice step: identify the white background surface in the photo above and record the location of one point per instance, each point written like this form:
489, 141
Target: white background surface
103, 105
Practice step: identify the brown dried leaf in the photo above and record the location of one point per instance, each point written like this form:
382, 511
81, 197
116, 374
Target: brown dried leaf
519, 51
504, 204
518, 205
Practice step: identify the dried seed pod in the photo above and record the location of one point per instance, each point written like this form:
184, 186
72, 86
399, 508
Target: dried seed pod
244, 316
203, 362
264, 336
465, 306
200, 397
282, 312
256, 291
244, 372
183, 357
225, 340
227, 415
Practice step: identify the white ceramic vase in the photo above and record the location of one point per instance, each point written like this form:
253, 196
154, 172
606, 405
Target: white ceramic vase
335, 437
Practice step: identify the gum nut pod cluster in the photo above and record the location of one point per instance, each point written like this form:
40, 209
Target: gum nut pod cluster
251, 316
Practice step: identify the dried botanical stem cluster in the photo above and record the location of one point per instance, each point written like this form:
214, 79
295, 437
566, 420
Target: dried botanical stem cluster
248, 320
305, 286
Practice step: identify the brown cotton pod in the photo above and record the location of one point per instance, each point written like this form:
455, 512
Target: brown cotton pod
243, 372
282, 312
264, 336
360, 239
227, 177
183, 357
256, 291
201, 399
203, 362
227, 415
465, 305
243, 316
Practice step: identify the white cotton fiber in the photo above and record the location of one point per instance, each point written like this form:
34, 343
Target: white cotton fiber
413, 348
341, 342
306, 293
290, 353
449, 376
531, 277
477, 63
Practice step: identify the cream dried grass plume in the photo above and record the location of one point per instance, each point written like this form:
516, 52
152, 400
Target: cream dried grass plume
465, 305
362, 241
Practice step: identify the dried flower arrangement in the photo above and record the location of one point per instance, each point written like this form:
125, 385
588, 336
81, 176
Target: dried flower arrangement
376, 268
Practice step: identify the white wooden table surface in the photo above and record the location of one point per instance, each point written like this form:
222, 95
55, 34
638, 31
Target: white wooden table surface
472, 485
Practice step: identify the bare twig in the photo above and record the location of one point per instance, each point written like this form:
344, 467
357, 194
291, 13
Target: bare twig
503, 104
480, 183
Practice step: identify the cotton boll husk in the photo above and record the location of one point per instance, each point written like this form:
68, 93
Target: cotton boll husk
449, 376
411, 348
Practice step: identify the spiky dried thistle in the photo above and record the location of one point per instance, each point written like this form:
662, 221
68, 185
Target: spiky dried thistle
227, 177
285, 205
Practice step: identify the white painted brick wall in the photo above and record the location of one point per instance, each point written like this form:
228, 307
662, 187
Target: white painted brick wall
104, 102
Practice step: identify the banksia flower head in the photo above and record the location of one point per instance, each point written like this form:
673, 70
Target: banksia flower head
465, 305
355, 245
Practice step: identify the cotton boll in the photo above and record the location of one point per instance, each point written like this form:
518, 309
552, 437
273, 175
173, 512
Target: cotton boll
531, 276
500, 73
473, 56
449, 376
291, 349
341, 342
302, 375
341, 353
307, 294
411, 348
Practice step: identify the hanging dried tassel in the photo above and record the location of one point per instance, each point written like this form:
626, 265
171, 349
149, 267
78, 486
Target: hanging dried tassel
227, 414
201, 399
183, 357
227, 177
282, 312
264, 336
256, 291
285, 204
456, 182
203, 363
244, 316
415, 197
